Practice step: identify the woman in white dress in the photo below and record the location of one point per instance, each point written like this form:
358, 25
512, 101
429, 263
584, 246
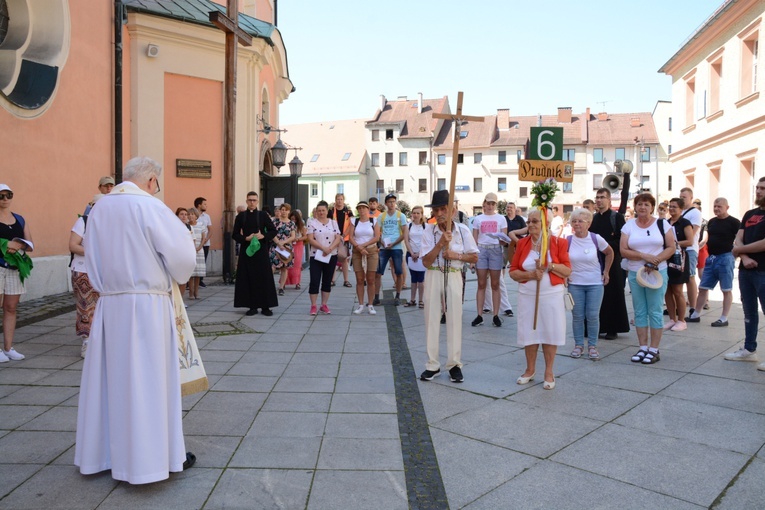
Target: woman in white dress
199, 232
527, 270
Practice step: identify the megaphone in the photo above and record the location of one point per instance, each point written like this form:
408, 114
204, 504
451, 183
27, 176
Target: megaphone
623, 166
612, 182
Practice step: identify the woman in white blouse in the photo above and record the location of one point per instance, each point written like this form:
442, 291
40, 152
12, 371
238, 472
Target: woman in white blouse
413, 251
324, 238
363, 233
589, 273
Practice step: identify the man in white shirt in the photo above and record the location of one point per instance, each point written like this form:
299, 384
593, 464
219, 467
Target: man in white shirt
556, 226
692, 252
443, 254
204, 219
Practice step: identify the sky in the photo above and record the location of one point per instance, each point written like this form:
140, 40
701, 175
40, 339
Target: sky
529, 56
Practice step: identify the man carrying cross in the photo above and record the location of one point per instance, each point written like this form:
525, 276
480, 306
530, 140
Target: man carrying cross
446, 249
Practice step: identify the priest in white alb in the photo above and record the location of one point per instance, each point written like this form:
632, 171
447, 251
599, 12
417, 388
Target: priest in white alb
129, 415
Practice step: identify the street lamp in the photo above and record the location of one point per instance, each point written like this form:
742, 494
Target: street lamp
279, 149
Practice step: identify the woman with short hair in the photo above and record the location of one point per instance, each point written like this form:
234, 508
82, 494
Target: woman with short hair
591, 258
528, 270
324, 237
647, 250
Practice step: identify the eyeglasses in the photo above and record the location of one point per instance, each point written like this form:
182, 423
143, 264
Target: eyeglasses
531, 222
8, 195
157, 181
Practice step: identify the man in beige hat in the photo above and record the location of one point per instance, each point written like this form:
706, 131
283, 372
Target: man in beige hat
486, 228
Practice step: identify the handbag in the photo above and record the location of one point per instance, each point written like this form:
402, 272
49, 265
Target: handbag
568, 300
342, 252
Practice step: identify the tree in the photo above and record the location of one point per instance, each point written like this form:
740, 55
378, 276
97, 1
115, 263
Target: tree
502, 207
404, 207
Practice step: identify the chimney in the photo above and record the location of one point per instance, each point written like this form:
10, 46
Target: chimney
634, 121
419, 102
383, 102
503, 118
564, 115
401, 98
585, 129
602, 116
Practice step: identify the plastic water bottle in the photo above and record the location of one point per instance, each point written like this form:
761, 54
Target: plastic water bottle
677, 259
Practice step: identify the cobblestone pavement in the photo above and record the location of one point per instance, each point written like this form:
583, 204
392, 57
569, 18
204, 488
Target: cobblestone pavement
326, 412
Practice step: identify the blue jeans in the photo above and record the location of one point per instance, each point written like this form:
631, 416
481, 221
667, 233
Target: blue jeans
587, 299
648, 304
388, 253
751, 283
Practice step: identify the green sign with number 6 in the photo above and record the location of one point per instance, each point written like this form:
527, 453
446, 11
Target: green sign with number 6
546, 143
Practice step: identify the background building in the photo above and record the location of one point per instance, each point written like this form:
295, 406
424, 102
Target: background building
718, 114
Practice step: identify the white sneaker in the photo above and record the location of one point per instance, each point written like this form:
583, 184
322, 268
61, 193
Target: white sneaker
741, 355
84, 348
13, 355
358, 310
761, 366
372, 310
3, 357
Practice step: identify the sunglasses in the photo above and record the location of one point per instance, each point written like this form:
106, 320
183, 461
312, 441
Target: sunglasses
7, 195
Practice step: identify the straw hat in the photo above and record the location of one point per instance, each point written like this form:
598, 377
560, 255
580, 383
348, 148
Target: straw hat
649, 280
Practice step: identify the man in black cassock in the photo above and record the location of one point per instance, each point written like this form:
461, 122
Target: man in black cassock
608, 224
255, 287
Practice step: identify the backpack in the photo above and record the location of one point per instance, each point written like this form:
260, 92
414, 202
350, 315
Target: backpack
398, 217
601, 257
356, 222
20, 219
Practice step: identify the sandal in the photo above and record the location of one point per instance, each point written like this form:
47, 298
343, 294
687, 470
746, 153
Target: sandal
577, 352
422, 305
593, 353
333, 284
347, 284
638, 356
410, 303
650, 358
297, 286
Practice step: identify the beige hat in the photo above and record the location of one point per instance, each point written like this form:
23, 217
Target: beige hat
103, 181
650, 280
490, 197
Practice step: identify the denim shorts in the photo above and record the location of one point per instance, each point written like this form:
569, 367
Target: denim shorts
692, 259
719, 268
398, 258
490, 257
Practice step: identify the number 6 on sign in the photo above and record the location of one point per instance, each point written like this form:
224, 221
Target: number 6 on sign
546, 143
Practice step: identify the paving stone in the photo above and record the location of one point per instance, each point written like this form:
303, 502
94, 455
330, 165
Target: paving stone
363, 403
365, 384
298, 402
212, 451
696, 474
55, 419
459, 455
283, 424
23, 447
13, 375
720, 427
519, 427
223, 413
359, 490
14, 475
306, 384
721, 392
60, 487
257, 369
361, 454
572, 490
245, 383
747, 491
181, 491
15, 416
261, 489
263, 357
277, 452
443, 401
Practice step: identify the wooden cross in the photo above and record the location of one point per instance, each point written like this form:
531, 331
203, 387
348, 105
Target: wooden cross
457, 120
229, 23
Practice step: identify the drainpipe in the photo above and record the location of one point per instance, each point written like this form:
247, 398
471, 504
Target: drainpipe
118, 13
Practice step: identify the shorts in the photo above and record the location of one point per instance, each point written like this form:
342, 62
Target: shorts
373, 259
10, 282
398, 258
703, 254
416, 276
719, 269
490, 257
692, 261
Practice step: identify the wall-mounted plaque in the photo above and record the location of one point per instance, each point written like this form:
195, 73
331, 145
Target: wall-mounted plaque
194, 168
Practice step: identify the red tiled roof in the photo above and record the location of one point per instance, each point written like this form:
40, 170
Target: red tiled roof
414, 124
617, 129
479, 134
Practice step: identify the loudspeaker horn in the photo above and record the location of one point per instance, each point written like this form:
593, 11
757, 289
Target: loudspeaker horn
612, 182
